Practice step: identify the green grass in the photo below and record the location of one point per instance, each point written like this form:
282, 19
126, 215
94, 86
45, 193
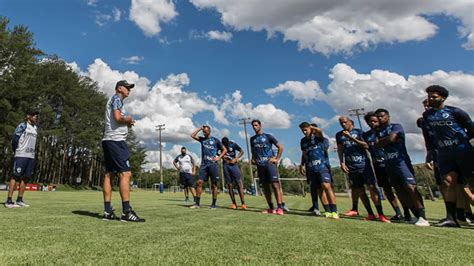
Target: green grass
64, 228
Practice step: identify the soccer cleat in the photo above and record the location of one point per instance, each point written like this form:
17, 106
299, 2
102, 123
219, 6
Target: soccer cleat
269, 211
131, 216
351, 213
328, 214
422, 222
243, 207
233, 206
285, 208
383, 219
396, 218
311, 209
213, 207
194, 206
279, 211
11, 205
109, 216
447, 223
370, 217
412, 220
334, 215
22, 204
464, 222
317, 212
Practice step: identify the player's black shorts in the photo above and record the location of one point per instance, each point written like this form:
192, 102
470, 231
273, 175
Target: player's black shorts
23, 168
267, 173
382, 177
116, 156
358, 179
209, 170
459, 160
400, 173
186, 179
232, 174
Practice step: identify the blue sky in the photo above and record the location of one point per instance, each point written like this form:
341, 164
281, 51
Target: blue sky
386, 56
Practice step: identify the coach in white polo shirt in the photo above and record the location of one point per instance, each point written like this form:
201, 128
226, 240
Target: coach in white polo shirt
116, 153
187, 169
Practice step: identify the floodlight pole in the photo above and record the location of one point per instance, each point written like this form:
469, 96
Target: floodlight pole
357, 112
244, 122
161, 128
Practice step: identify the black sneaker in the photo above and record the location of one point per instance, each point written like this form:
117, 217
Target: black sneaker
311, 209
131, 216
109, 216
396, 218
448, 223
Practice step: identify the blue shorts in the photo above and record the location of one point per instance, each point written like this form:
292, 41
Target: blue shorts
267, 173
318, 177
116, 156
186, 179
400, 173
23, 167
382, 177
459, 160
209, 170
358, 179
232, 174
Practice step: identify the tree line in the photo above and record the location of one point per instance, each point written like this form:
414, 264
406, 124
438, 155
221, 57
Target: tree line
71, 113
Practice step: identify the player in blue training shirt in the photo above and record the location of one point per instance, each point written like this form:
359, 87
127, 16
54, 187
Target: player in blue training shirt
24, 146
210, 147
453, 133
266, 161
351, 149
391, 137
232, 171
378, 163
315, 165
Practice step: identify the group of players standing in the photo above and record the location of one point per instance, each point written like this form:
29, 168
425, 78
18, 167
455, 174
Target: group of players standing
378, 156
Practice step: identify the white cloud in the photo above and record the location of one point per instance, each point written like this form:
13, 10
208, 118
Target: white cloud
102, 19
116, 14
149, 14
92, 2
219, 35
329, 27
300, 91
132, 60
271, 116
286, 162
324, 123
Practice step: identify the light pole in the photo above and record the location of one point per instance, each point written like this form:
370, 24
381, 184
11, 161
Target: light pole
161, 128
357, 112
244, 122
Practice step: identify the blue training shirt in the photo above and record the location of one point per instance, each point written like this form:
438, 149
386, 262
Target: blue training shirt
316, 152
378, 154
209, 148
355, 156
396, 152
262, 147
451, 127
232, 150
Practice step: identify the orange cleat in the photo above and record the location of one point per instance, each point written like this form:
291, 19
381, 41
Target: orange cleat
233, 207
370, 217
351, 213
383, 219
243, 207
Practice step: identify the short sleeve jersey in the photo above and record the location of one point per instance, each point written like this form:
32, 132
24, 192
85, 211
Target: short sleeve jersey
209, 148
232, 150
316, 152
377, 154
262, 147
113, 130
450, 127
355, 156
394, 152
185, 163
27, 141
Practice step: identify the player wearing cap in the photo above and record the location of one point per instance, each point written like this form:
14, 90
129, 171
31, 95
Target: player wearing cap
116, 153
453, 132
266, 161
210, 147
24, 146
232, 173
186, 166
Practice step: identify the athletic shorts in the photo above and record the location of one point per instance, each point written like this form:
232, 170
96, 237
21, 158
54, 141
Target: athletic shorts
186, 179
267, 173
400, 173
116, 156
460, 160
232, 174
318, 177
358, 179
382, 178
23, 167
208, 171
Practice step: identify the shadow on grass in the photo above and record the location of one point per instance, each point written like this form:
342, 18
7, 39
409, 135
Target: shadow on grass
88, 213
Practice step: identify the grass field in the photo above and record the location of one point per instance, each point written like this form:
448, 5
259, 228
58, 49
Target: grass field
65, 228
